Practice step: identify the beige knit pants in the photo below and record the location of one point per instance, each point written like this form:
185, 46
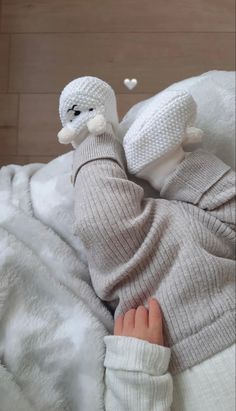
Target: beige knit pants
179, 248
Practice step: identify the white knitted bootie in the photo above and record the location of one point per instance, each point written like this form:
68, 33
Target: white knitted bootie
154, 143
87, 105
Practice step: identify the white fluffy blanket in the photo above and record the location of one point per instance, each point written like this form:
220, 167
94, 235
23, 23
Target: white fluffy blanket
51, 322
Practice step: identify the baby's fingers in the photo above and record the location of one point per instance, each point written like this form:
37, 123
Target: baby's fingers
118, 327
141, 317
155, 315
129, 320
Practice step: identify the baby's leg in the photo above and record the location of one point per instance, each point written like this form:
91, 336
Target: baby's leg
118, 227
139, 247
154, 151
201, 179
205, 181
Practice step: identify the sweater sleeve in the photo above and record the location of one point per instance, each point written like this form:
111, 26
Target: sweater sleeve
205, 181
136, 376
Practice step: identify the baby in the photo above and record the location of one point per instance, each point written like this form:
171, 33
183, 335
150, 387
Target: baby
179, 248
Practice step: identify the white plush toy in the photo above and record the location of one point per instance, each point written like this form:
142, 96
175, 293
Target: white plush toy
87, 105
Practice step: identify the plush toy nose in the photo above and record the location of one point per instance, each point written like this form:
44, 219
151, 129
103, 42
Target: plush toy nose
66, 135
79, 130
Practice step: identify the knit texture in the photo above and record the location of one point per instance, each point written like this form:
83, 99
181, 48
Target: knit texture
139, 355
179, 248
159, 129
133, 381
88, 92
87, 105
136, 377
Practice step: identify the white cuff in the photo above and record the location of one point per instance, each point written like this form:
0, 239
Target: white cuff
133, 354
157, 171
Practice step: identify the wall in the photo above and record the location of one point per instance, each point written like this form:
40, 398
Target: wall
45, 44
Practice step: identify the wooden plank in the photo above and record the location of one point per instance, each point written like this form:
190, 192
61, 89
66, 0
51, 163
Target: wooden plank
4, 57
44, 63
8, 123
40, 159
39, 122
12, 159
126, 101
117, 16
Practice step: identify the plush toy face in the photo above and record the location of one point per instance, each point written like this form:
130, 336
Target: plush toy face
75, 111
78, 117
81, 113
87, 105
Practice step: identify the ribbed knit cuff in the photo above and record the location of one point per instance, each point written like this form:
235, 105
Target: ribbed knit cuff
193, 177
132, 354
104, 146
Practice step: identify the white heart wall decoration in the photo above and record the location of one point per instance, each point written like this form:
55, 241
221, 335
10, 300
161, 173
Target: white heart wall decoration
130, 84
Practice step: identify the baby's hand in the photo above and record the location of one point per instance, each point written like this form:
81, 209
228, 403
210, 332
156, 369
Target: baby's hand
142, 323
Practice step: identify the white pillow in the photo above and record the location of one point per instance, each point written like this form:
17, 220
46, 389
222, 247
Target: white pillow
214, 93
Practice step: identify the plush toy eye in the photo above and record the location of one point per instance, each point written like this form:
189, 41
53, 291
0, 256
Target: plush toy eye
91, 109
72, 112
77, 112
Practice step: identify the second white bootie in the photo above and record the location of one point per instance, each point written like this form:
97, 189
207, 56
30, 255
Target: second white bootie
154, 143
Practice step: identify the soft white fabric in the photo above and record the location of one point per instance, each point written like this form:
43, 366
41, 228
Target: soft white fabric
158, 170
11, 396
207, 386
214, 93
136, 375
135, 382
51, 322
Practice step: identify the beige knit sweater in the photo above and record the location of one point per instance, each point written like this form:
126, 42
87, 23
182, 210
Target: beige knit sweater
179, 248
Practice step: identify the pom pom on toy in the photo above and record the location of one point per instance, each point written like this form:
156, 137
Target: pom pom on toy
97, 125
66, 135
193, 135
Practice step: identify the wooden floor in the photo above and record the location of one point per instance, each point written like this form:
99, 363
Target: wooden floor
45, 44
